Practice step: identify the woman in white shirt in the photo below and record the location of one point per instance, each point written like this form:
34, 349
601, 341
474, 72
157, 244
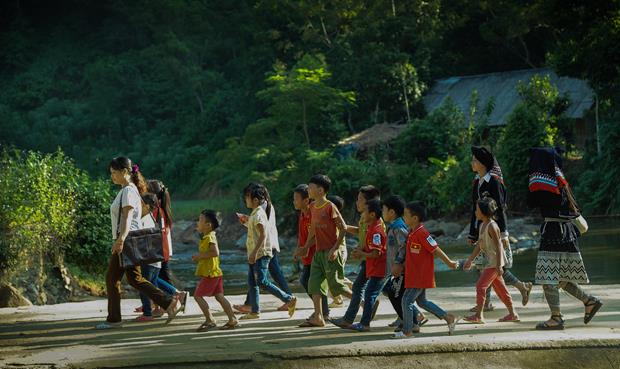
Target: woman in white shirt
126, 214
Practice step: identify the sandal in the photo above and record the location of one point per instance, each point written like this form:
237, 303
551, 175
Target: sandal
525, 297
242, 309
206, 326
510, 318
545, 326
229, 326
473, 319
309, 324
597, 306
172, 310
486, 309
183, 301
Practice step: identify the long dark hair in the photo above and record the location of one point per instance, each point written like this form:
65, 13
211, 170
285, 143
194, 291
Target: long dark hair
260, 192
124, 163
158, 188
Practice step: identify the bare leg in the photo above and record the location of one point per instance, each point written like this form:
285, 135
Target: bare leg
226, 306
202, 303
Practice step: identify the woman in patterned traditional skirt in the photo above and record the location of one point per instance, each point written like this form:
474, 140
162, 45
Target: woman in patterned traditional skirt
559, 263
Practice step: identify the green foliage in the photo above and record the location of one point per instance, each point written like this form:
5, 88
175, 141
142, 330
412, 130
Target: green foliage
598, 191
532, 123
50, 208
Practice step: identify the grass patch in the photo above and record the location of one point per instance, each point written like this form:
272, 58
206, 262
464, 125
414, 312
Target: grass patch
189, 209
93, 283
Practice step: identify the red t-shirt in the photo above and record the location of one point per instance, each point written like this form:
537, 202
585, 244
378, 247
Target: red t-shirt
303, 229
323, 219
376, 239
420, 259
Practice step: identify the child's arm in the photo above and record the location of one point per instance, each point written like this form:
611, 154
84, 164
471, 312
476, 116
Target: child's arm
303, 250
213, 252
260, 243
363, 254
354, 230
473, 255
442, 255
494, 233
342, 228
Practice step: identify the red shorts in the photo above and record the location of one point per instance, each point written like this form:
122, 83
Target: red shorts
209, 286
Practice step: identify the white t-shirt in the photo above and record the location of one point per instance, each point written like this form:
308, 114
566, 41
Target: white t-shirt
149, 222
131, 197
257, 217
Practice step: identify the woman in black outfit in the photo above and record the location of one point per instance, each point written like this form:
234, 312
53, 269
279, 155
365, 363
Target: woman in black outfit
489, 179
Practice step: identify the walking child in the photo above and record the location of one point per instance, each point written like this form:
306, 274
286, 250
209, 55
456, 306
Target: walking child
489, 242
373, 252
420, 272
208, 269
326, 233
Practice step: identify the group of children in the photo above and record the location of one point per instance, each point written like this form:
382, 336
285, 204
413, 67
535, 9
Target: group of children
395, 253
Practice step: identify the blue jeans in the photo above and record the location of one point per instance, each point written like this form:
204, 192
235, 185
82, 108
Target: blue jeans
275, 270
369, 288
257, 277
410, 312
304, 276
150, 273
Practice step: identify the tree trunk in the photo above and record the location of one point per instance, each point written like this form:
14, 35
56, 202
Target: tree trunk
406, 99
305, 123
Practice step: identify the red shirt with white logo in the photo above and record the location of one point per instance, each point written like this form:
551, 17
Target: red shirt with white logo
376, 239
420, 259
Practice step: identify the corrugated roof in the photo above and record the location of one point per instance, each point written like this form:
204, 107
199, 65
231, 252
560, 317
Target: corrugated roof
502, 89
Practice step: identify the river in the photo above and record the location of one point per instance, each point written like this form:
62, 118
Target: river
600, 248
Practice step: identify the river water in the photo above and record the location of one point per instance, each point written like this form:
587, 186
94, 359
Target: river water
600, 248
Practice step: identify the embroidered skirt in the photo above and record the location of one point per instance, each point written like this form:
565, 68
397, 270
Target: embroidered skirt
559, 258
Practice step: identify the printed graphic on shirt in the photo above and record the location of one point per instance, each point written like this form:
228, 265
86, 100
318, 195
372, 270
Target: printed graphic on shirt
415, 248
376, 239
431, 241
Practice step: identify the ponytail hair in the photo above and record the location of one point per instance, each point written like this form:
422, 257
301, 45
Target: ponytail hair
121, 163
158, 188
260, 192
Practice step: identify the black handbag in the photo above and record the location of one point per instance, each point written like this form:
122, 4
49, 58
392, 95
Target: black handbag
142, 246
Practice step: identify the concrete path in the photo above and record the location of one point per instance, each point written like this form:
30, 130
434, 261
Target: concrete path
63, 336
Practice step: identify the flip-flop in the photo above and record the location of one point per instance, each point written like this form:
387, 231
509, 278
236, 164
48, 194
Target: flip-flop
206, 326
228, 326
172, 311
473, 319
241, 309
183, 301
309, 324
510, 318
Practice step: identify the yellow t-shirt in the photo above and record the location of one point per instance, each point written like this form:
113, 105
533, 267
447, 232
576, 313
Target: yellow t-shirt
208, 267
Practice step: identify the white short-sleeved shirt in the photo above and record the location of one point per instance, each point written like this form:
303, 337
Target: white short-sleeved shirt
257, 217
149, 222
131, 197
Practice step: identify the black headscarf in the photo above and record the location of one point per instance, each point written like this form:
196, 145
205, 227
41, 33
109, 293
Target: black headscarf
545, 171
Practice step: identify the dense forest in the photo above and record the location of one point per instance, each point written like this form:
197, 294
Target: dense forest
208, 95
191, 89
